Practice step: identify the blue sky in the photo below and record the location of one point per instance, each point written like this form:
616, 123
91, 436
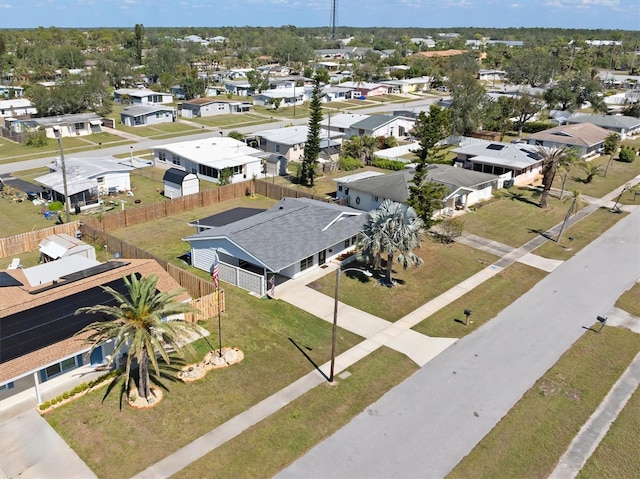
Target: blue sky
591, 14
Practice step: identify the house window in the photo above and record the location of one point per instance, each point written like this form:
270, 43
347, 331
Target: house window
277, 148
79, 126
175, 160
347, 243
162, 156
306, 263
339, 187
100, 179
159, 115
61, 367
353, 240
7, 386
375, 198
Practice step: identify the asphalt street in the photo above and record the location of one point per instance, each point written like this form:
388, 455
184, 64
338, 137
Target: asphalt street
426, 425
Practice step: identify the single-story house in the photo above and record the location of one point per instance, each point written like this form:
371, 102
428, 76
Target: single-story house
201, 107
16, 107
289, 141
335, 93
464, 187
521, 161
79, 124
208, 157
62, 245
291, 238
625, 126
142, 115
364, 88
237, 87
491, 75
141, 96
87, 180
586, 138
341, 123
7, 91
382, 125
287, 96
179, 183
40, 315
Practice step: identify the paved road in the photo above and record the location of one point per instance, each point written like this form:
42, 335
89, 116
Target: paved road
426, 425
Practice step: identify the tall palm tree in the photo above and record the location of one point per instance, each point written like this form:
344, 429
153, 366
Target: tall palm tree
393, 229
564, 166
551, 158
141, 320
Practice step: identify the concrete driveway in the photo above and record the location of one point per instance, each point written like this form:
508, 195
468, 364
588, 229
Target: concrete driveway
31, 449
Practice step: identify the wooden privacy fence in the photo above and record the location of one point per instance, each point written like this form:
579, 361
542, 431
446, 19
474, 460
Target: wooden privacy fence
208, 306
14, 245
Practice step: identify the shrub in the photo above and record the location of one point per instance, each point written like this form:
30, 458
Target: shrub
450, 229
627, 154
236, 135
45, 405
386, 164
535, 126
36, 139
65, 395
349, 163
54, 401
55, 206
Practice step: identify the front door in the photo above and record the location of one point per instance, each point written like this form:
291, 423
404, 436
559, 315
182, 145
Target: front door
322, 257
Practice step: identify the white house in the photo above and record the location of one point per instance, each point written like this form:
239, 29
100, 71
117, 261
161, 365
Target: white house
79, 124
179, 183
293, 237
141, 96
208, 157
521, 161
341, 123
382, 125
142, 115
87, 180
290, 141
16, 107
287, 96
202, 107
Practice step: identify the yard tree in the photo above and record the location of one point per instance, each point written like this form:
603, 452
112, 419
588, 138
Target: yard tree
611, 144
361, 147
425, 196
258, 81
531, 66
592, 170
469, 99
394, 230
551, 160
140, 321
430, 129
526, 107
498, 114
575, 205
138, 32
307, 170
564, 167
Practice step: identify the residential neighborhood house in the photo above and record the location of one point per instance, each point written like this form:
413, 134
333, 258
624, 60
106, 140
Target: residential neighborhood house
625, 126
141, 96
16, 107
203, 107
208, 157
585, 138
143, 115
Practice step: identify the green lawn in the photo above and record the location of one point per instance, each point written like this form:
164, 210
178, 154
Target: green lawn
583, 233
485, 301
515, 217
110, 439
630, 300
617, 455
236, 120
271, 445
619, 173
162, 130
444, 267
163, 237
531, 438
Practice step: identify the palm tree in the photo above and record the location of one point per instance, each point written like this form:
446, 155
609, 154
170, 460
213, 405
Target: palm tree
141, 319
592, 170
564, 165
611, 144
551, 158
393, 229
577, 203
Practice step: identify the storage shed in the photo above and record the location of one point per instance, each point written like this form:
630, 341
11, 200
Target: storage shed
179, 183
61, 245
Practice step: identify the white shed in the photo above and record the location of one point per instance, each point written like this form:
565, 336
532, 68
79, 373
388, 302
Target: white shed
179, 183
62, 245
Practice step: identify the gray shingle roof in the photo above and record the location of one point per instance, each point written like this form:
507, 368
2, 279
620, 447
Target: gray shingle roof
373, 122
606, 121
291, 230
140, 110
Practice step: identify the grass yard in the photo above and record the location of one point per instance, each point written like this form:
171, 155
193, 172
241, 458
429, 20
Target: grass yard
163, 237
531, 438
515, 217
235, 120
21, 217
583, 232
619, 173
617, 455
161, 130
630, 300
276, 442
486, 301
284, 112
444, 267
109, 440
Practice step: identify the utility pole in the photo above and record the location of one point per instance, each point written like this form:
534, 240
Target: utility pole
334, 15
58, 134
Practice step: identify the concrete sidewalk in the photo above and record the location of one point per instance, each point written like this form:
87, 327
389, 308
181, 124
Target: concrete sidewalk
596, 428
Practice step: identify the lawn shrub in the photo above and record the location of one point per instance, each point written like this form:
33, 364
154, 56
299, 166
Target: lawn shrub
55, 206
348, 163
386, 164
627, 154
45, 405
535, 126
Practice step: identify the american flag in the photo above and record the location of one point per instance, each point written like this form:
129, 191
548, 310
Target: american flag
272, 284
216, 269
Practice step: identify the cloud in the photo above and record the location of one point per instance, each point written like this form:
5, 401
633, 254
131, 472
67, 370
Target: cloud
5, 5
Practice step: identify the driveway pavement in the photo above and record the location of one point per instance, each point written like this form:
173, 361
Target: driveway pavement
426, 425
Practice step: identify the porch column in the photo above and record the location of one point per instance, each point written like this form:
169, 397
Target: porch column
37, 386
